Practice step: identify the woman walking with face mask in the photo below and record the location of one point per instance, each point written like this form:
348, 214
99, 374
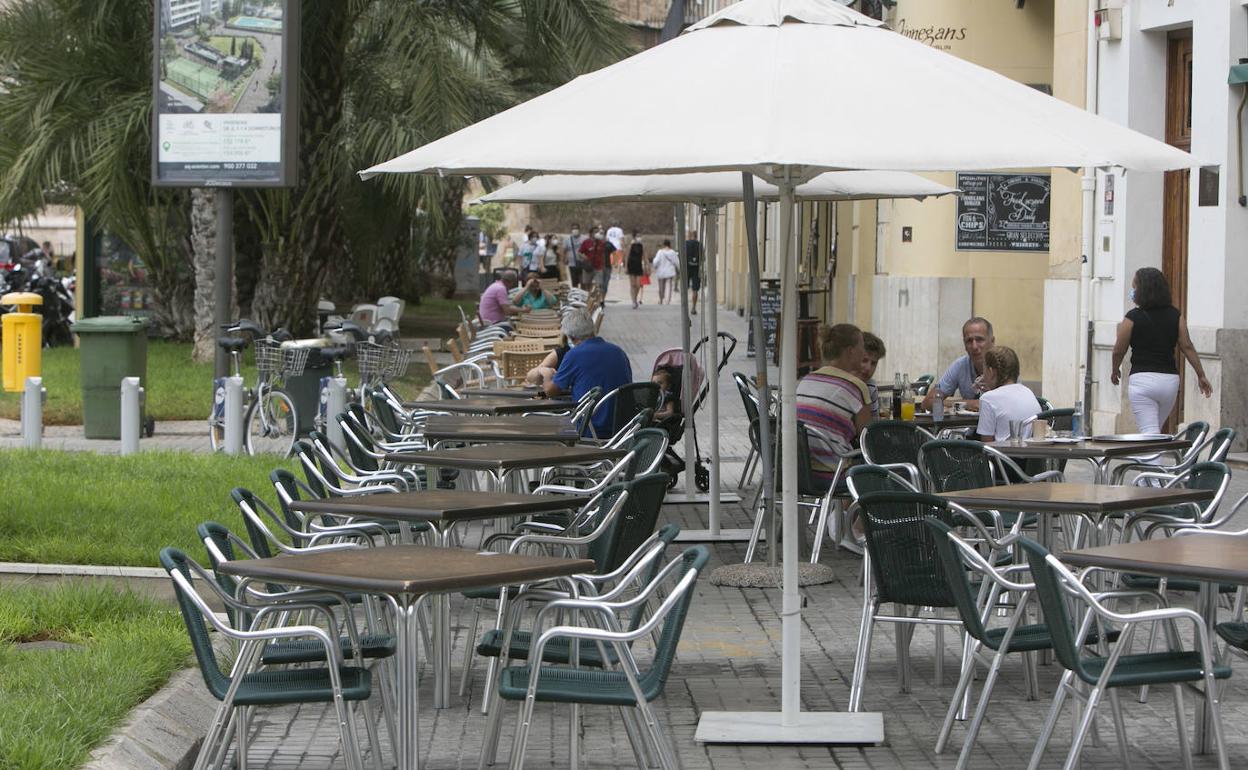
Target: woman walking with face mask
1153, 330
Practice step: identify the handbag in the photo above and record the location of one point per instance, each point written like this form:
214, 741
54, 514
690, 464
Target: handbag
645, 280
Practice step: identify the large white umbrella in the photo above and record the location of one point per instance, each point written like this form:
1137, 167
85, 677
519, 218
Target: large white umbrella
787, 89
711, 189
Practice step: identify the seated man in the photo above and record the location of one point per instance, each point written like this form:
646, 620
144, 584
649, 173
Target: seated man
962, 374
1004, 398
533, 296
496, 305
834, 399
592, 361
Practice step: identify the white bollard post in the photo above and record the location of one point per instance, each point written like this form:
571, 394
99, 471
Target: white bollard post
234, 427
335, 404
131, 415
32, 413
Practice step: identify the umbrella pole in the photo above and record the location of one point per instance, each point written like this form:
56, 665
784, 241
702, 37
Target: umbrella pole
791, 613
686, 376
711, 311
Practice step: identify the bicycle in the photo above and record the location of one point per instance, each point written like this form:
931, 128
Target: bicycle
269, 415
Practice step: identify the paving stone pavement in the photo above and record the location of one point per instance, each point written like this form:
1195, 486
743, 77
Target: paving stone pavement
729, 659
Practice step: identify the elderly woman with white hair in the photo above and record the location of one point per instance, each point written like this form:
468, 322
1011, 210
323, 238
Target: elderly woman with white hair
591, 362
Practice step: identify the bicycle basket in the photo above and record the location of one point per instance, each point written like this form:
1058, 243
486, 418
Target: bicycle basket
272, 358
372, 359
397, 362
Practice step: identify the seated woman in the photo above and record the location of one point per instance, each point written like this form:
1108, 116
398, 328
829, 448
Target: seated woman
534, 297
1004, 398
834, 399
545, 371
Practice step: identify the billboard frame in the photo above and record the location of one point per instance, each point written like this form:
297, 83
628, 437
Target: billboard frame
288, 165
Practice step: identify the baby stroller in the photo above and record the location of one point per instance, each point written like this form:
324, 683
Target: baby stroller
672, 362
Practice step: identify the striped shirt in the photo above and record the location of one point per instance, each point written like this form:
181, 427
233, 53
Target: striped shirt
828, 399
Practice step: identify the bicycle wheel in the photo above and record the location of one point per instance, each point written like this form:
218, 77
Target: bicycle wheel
272, 424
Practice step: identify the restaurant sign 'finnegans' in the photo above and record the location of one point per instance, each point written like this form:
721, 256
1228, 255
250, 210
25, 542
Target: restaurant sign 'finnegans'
1003, 212
935, 35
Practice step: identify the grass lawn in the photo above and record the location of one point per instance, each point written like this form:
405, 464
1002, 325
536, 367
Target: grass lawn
83, 508
224, 43
56, 705
435, 317
177, 388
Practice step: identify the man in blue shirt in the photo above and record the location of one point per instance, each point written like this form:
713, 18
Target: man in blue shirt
962, 374
592, 362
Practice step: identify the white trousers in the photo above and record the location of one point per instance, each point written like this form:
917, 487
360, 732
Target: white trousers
1152, 396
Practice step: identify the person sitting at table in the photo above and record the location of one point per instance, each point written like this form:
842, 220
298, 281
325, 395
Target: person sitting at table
496, 306
533, 296
1004, 398
874, 347
834, 399
543, 372
962, 374
591, 362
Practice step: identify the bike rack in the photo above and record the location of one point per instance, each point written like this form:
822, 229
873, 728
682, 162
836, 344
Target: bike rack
131, 414
32, 412
234, 428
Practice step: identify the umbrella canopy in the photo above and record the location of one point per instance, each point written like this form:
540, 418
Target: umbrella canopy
803, 84
711, 187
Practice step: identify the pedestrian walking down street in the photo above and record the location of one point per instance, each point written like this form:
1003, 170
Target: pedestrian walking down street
665, 266
572, 253
594, 265
1153, 330
693, 270
551, 259
615, 237
636, 268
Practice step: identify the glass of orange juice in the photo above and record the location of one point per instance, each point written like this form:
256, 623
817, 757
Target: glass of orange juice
907, 410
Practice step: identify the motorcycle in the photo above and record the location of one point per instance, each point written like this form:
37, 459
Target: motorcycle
33, 273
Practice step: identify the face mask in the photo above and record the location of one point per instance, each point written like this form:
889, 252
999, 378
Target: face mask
1131, 295
575, 233
599, 237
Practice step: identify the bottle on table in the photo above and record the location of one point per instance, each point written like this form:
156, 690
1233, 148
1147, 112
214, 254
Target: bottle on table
938, 406
1076, 422
907, 399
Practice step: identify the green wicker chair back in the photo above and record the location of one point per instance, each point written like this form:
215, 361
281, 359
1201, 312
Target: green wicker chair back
359, 457
652, 681
865, 479
959, 586
385, 413
648, 444
888, 442
1056, 614
307, 459
630, 400
747, 398
635, 522
217, 681
904, 560
219, 534
954, 465
1220, 445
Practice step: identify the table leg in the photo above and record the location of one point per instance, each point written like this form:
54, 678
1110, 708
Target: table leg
1208, 607
441, 637
406, 620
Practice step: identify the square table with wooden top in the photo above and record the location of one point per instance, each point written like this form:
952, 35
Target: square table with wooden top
405, 574
1210, 558
443, 508
475, 429
949, 419
501, 459
493, 405
516, 391
1099, 453
1092, 502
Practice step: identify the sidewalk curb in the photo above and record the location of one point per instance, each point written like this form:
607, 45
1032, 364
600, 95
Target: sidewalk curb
163, 732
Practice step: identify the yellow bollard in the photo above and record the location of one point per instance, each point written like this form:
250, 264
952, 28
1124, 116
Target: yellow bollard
21, 336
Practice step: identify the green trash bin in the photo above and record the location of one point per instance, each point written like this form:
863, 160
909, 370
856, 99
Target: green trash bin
111, 348
305, 389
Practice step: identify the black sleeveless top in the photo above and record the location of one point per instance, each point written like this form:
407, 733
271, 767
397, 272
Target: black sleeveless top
1154, 337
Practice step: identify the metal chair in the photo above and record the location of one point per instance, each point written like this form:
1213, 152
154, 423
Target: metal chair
626, 685
1195, 432
895, 444
1104, 673
750, 402
625, 402
903, 568
245, 688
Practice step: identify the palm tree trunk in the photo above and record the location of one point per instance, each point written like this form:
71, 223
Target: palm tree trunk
204, 250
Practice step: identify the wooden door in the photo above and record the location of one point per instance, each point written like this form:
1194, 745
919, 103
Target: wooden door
1177, 194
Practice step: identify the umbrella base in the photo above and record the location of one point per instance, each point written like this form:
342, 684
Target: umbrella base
756, 575
699, 498
705, 536
809, 727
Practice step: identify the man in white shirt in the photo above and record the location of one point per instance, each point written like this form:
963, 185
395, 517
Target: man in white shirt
1004, 400
615, 234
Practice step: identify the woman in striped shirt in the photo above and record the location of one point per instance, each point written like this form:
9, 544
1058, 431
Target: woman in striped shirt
834, 399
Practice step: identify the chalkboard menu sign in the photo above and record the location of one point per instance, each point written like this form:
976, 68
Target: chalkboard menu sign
1003, 212
769, 297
